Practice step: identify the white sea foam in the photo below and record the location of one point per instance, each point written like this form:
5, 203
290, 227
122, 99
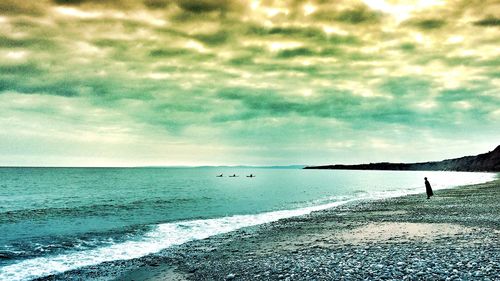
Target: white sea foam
169, 234
163, 236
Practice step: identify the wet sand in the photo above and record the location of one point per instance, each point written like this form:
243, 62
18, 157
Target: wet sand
453, 236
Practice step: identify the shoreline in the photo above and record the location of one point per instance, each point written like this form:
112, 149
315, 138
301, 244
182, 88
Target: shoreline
345, 241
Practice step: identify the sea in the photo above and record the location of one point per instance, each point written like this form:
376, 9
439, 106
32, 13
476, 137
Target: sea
54, 220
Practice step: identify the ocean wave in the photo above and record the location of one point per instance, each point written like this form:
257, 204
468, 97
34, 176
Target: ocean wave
54, 245
104, 208
161, 237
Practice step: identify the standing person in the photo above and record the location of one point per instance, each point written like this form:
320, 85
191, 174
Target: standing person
428, 189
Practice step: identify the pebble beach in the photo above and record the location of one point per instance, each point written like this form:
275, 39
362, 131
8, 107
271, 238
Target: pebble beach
453, 236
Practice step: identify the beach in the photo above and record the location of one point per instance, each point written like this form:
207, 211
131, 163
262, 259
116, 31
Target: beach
453, 236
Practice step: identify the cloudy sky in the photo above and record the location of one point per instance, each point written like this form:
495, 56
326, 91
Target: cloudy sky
262, 82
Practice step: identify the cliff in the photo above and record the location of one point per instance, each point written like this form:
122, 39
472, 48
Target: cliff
486, 162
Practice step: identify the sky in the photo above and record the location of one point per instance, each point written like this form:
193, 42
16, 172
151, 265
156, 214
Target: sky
254, 82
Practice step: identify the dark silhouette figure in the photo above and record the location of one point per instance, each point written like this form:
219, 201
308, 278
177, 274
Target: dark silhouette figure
428, 189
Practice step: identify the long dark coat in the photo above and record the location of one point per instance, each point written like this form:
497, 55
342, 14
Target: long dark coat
428, 189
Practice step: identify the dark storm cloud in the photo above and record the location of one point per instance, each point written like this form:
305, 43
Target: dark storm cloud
157, 4
493, 74
457, 94
213, 39
34, 8
488, 22
429, 24
306, 33
203, 6
358, 15
58, 88
408, 47
166, 53
72, 2
169, 53
102, 3
323, 52
478, 106
340, 105
406, 86
298, 52
27, 69
32, 43
31, 78
337, 104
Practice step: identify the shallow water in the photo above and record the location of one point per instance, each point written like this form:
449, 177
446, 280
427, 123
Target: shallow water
57, 219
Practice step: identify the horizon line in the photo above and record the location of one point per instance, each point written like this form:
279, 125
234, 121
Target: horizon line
158, 166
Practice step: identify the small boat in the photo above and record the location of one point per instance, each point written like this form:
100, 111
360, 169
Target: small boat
233, 176
219, 176
251, 176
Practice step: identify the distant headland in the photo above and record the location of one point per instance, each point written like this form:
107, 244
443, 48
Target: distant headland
486, 162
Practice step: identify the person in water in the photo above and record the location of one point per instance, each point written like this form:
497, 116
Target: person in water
428, 189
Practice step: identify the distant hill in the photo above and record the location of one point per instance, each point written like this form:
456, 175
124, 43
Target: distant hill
486, 162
